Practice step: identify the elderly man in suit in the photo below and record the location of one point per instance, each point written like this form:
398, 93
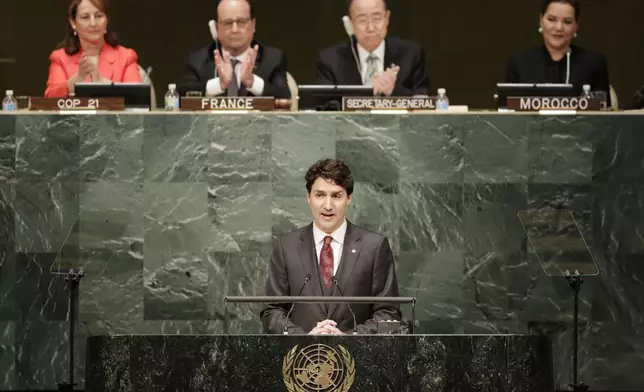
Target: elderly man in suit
393, 66
235, 64
327, 249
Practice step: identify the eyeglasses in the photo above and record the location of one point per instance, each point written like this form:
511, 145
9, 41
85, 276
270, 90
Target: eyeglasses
376, 19
241, 23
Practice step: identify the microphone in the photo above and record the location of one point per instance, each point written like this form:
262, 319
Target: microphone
349, 29
307, 278
355, 324
568, 66
148, 71
212, 26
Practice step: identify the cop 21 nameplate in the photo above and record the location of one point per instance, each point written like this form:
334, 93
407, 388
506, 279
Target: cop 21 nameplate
227, 104
76, 104
535, 104
358, 104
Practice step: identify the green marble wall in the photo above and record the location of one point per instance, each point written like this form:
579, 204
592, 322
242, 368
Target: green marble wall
167, 213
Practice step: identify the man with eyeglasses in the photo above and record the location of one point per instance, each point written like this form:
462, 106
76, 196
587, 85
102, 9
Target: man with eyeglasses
394, 67
235, 64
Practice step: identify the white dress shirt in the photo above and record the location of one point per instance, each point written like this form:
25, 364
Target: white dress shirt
213, 87
336, 244
379, 53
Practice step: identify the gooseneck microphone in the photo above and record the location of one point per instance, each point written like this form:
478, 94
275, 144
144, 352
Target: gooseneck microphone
346, 21
307, 279
148, 71
212, 26
568, 66
355, 324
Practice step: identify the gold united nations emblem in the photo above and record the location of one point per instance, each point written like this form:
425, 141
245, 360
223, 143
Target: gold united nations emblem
318, 368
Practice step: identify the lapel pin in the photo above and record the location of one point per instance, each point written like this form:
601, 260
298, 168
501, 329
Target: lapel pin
353, 251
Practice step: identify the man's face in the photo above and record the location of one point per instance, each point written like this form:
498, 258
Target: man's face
370, 19
235, 27
328, 203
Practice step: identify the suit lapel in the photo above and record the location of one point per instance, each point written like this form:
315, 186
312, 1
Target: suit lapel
208, 70
106, 61
353, 73
390, 55
350, 254
310, 265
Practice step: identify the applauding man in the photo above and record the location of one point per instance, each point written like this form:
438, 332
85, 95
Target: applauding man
235, 64
392, 66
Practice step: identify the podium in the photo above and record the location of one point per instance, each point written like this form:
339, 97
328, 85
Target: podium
292, 363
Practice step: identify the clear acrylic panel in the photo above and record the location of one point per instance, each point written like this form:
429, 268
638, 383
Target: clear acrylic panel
555, 238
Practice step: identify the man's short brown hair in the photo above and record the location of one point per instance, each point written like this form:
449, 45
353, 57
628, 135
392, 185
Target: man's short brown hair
330, 169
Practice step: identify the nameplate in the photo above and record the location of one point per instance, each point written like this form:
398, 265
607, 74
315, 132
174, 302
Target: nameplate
358, 104
76, 104
535, 104
227, 104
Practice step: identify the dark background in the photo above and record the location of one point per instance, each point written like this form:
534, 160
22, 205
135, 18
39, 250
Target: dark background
467, 41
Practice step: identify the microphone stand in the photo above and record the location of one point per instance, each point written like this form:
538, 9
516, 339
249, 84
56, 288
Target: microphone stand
307, 279
575, 282
73, 281
355, 324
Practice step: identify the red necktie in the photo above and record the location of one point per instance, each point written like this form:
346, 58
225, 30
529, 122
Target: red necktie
326, 261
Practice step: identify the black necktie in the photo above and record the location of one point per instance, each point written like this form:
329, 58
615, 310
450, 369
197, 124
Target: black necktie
233, 88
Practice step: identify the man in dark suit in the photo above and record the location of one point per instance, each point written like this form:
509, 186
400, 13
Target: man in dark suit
391, 65
330, 247
240, 66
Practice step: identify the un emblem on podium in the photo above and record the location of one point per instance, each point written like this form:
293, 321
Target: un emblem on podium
318, 368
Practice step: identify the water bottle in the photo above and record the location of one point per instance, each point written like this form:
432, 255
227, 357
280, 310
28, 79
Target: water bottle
172, 99
586, 94
442, 102
9, 103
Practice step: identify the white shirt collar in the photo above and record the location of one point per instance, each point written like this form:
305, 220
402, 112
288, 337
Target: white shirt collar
379, 52
338, 235
241, 57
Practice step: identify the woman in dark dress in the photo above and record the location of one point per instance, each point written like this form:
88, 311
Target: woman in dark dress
557, 60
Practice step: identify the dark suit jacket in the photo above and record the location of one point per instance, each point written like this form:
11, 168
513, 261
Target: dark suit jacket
337, 66
368, 272
535, 65
270, 66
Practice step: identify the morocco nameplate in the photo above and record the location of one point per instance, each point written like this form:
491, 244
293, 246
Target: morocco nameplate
357, 104
535, 104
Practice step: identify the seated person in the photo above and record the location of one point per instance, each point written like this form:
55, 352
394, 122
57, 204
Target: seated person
549, 63
90, 52
236, 65
638, 100
391, 65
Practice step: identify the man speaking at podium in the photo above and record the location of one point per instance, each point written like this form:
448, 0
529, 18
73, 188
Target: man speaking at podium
330, 257
394, 67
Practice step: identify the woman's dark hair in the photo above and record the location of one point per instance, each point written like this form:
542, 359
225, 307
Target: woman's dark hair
72, 42
573, 3
330, 169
